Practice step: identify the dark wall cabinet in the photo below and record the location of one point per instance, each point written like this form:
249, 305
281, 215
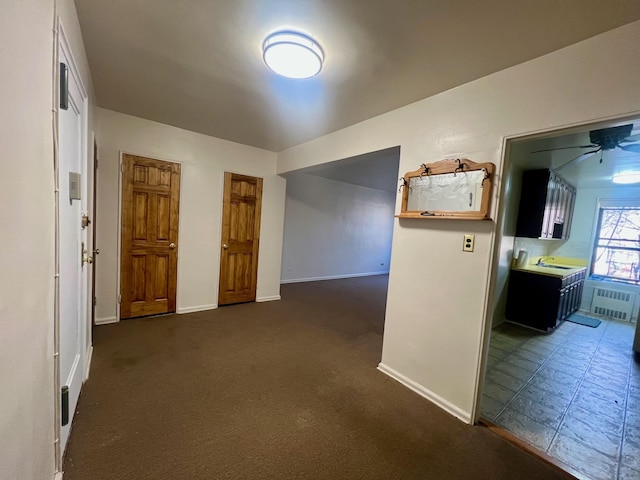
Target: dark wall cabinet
542, 301
546, 206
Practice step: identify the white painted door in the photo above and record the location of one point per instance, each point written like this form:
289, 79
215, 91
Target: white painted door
71, 236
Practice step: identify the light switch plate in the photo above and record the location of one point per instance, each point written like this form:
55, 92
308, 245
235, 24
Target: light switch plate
469, 241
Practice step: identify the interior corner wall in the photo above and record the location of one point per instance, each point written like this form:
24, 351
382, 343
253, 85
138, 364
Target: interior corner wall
335, 230
435, 345
204, 160
511, 202
27, 254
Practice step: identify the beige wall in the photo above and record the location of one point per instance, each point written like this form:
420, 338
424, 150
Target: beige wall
204, 160
27, 254
27, 216
435, 310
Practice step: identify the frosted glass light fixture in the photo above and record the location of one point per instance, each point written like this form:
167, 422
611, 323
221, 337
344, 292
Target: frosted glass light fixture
626, 178
292, 55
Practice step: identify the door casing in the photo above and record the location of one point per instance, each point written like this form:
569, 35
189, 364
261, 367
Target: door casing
121, 154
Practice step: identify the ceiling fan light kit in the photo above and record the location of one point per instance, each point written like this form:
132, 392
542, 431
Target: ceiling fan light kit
626, 178
292, 54
603, 139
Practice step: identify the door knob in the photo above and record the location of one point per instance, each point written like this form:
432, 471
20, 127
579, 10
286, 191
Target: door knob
225, 246
96, 251
172, 245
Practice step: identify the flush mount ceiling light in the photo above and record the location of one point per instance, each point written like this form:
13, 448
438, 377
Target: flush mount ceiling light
292, 55
626, 177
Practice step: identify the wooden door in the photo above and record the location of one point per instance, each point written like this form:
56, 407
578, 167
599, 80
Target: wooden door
149, 259
241, 209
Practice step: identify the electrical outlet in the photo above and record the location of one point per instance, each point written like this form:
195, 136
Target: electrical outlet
469, 241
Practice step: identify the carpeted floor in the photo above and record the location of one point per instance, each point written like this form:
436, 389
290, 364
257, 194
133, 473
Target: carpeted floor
278, 390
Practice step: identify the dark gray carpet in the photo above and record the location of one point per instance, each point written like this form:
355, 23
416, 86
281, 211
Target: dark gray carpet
279, 390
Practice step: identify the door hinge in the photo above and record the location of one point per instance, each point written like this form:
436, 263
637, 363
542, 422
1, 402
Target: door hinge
95, 301
64, 405
119, 298
122, 167
64, 87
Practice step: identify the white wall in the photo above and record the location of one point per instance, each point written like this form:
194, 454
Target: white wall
334, 229
27, 254
435, 344
204, 160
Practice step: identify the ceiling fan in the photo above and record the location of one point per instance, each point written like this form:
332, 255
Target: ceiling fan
602, 140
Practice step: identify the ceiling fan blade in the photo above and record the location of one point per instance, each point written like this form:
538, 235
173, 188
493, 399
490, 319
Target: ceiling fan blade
564, 148
578, 159
633, 147
632, 138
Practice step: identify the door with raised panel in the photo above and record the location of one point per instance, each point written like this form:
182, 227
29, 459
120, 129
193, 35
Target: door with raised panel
149, 236
242, 205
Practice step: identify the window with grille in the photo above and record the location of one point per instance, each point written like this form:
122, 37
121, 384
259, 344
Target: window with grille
616, 253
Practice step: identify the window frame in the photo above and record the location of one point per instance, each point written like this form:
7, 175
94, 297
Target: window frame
618, 204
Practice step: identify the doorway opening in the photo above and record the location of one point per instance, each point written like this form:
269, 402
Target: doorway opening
567, 389
339, 221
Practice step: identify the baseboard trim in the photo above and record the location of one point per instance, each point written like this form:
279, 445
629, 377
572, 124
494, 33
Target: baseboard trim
333, 277
426, 393
268, 299
106, 320
87, 363
198, 308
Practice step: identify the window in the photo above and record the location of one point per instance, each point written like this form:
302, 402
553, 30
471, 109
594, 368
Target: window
616, 253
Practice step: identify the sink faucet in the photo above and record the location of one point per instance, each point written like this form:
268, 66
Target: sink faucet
542, 259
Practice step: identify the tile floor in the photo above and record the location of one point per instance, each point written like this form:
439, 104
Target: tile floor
573, 393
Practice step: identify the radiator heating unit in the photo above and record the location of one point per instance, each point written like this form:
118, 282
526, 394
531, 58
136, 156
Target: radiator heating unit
612, 303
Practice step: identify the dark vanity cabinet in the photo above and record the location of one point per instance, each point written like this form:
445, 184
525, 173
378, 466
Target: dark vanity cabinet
546, 206
543, 301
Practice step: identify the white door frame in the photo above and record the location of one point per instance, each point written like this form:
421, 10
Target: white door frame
62, 48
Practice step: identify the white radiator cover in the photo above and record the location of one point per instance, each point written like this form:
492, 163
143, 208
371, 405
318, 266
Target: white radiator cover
614, 304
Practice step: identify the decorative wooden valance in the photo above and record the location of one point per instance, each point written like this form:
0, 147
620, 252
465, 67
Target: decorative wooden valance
448, 189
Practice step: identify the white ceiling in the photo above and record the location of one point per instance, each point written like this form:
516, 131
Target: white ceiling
197, 64
586, 172
377, 170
